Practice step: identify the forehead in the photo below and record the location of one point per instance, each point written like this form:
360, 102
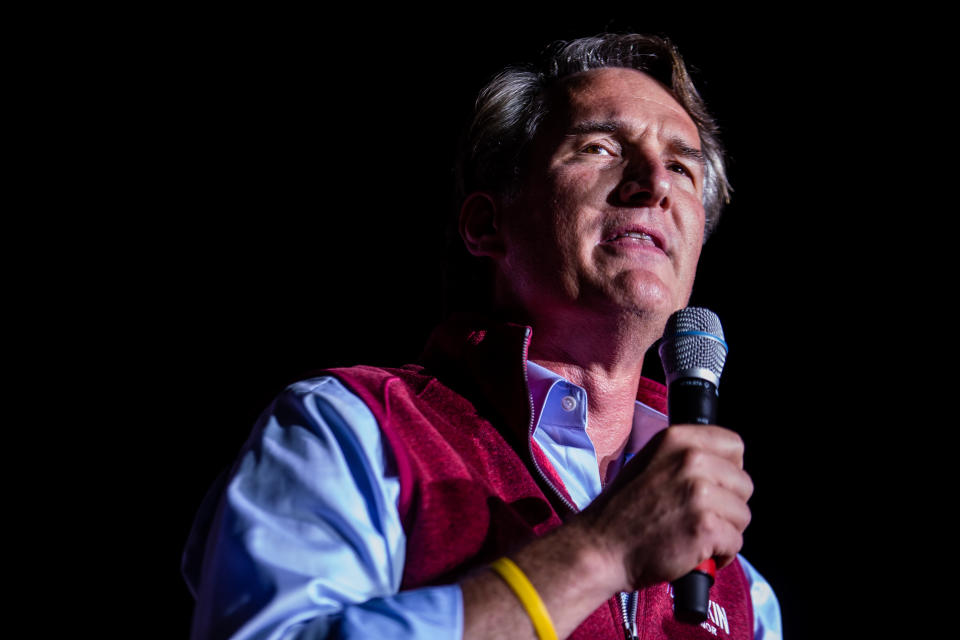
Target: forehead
626, 95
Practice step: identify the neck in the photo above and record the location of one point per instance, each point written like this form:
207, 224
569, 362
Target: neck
607, 362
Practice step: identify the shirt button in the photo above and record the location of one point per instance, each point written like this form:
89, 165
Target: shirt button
569, 403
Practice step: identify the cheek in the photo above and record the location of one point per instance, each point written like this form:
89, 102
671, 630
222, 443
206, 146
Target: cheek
565, 217
689, 213
578, 202
689, 219
690, 270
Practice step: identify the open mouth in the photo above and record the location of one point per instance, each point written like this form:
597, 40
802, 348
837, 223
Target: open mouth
634, 235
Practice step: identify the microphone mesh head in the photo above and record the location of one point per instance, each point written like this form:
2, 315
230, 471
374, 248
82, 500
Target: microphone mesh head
684, 346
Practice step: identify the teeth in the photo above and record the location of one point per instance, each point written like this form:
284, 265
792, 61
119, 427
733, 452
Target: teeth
635, 234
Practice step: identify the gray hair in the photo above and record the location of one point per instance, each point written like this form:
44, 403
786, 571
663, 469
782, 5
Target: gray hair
510, 109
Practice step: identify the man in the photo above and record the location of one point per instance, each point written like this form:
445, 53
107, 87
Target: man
370, 502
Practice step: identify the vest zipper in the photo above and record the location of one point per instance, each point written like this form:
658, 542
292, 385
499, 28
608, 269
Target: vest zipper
628, 608
533, 459
628, 601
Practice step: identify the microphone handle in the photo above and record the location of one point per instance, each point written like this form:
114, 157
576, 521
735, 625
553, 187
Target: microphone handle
693, 401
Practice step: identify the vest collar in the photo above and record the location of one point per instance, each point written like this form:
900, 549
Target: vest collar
485, 360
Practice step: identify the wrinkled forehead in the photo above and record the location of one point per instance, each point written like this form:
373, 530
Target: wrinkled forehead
603, 91
608, 95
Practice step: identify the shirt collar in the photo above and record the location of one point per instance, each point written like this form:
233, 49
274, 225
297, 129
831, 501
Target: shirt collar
647, 421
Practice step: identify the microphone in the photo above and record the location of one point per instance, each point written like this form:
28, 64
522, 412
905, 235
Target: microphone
693, 353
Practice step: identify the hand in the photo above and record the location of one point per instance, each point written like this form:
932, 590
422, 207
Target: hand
681, 500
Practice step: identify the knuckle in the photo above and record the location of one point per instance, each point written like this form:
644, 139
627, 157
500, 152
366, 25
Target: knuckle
706, 524
748, 484
738, 442
737, 445
692, 459
731, 544
673, 436
698, 493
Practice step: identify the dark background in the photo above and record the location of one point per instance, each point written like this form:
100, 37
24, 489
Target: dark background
291, 178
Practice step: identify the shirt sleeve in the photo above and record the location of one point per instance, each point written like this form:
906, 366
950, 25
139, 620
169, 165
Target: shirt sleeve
307, 542
766, 608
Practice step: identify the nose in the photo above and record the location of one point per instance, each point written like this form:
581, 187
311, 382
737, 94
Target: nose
647, 183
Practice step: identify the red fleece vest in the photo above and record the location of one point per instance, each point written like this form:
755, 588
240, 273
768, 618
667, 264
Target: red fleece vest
471, 488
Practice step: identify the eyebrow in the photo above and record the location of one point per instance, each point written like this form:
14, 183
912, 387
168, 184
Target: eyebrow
595, 126
677, 144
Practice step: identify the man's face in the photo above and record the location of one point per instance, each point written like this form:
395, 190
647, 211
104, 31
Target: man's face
610, 216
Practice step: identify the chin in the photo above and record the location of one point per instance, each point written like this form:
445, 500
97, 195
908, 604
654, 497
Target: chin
653, 295
641, 294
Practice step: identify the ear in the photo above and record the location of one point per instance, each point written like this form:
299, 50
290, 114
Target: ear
480, 225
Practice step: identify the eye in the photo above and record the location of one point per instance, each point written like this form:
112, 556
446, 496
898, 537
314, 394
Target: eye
679, 168
596, 149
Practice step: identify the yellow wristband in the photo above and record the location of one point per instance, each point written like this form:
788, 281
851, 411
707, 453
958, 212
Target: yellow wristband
528, 597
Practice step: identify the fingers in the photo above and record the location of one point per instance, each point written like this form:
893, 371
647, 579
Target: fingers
717, 440
729, 543
704, 469
710, 465
709, 498
717, 520
685, 500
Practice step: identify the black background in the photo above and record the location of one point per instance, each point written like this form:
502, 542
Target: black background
288, 177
